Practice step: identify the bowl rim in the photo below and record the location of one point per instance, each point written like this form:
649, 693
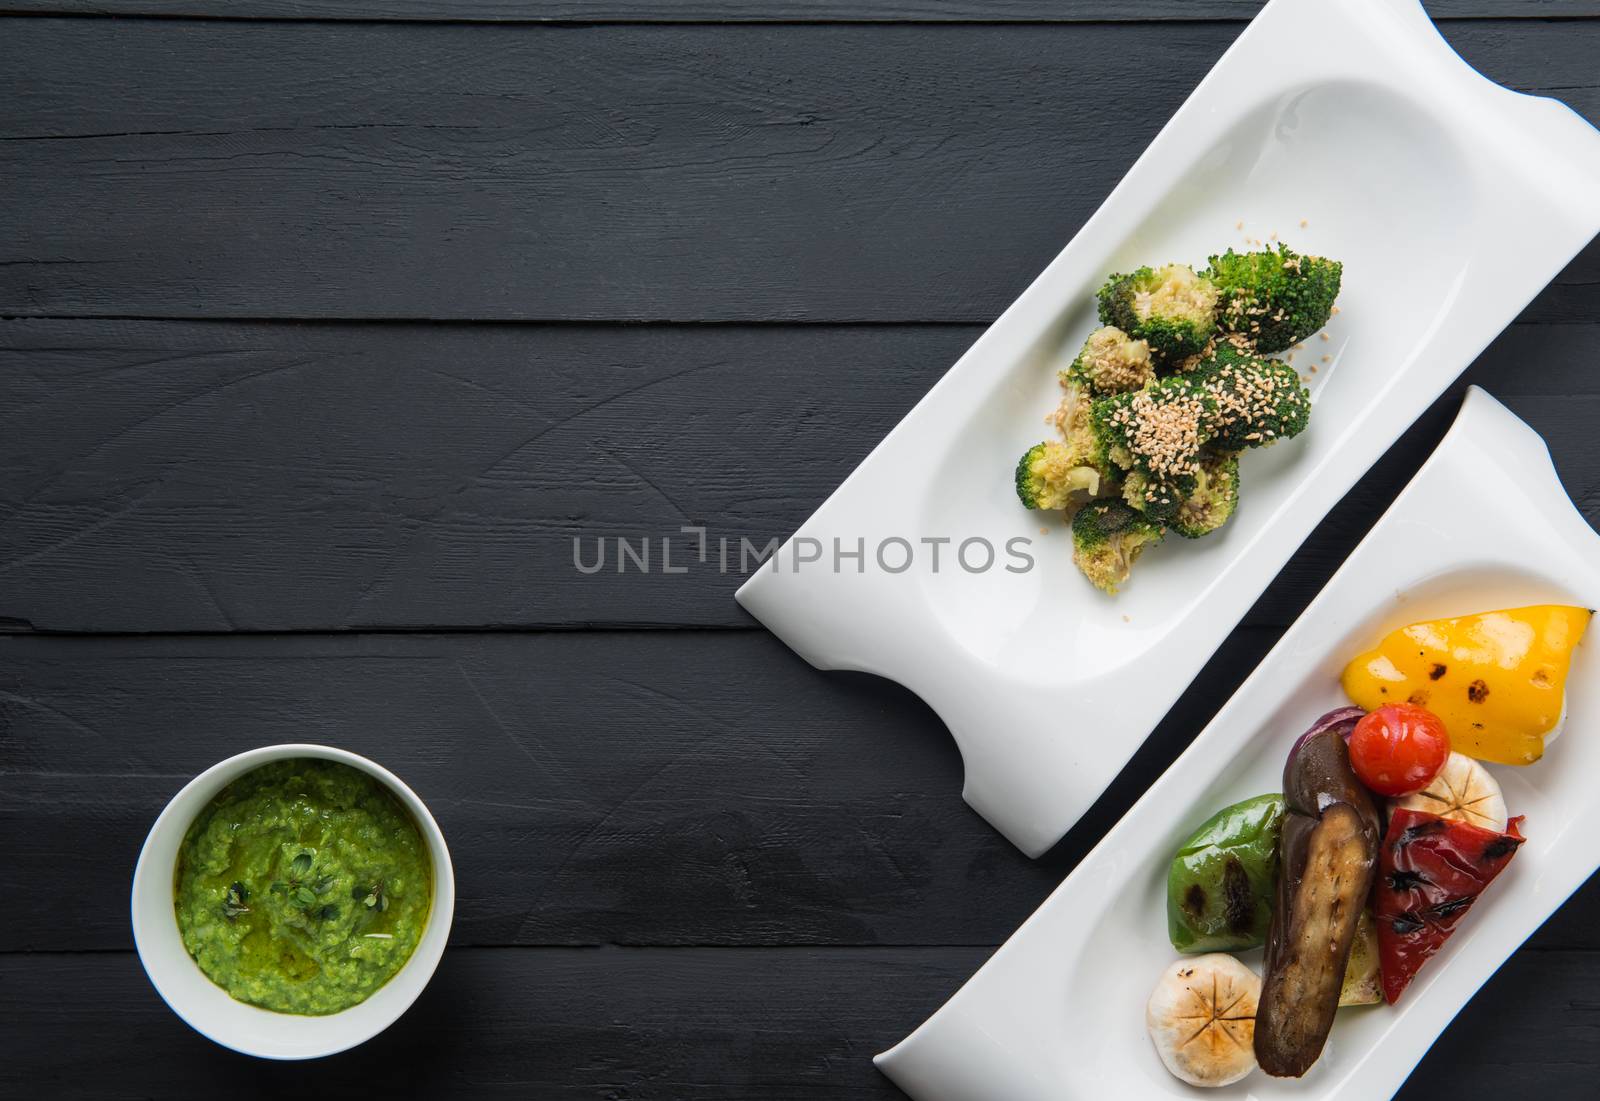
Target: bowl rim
177, 815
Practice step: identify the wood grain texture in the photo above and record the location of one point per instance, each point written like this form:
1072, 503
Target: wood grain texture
762, 11
637, 788
165, 476
818, 173
627, 788
689, 865
665, 1025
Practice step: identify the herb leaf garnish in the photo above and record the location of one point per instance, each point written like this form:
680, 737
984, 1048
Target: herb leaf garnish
233, 902
304, 890
373, 897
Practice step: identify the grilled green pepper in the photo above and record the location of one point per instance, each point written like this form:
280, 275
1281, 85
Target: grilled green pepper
1220, 887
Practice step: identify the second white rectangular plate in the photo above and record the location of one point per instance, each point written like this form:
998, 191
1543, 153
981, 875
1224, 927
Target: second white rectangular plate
1058, 1013
1451, 202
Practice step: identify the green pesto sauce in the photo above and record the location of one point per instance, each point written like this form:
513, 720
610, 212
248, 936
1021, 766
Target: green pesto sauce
303, 887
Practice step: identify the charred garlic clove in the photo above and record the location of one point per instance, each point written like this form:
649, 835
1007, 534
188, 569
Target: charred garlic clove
1202, 1019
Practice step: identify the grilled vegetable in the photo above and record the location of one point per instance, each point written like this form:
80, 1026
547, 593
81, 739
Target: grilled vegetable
1433, 869
1201, 1017
1363, 984
1219, 888
1399, 748
1463, 791
1326, 861
1497, 679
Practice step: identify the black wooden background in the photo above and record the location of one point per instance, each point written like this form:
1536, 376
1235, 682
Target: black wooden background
327, 325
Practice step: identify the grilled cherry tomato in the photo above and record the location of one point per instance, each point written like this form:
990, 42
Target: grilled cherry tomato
1398, 748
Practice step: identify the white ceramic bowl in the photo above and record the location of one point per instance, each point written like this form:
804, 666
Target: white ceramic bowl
207, 1007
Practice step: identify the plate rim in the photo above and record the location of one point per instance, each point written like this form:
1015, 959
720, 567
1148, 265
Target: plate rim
1481, 418
1020, 780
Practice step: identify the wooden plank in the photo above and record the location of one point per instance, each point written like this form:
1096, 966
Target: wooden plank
661, 1025
764, 11
173, 476
884, 173
581, 742
549, 1024
633, 788
637, 788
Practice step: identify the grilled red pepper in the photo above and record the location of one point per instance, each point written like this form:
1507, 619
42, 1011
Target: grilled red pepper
1430, 871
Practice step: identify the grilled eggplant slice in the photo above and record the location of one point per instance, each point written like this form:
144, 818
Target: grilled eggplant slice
1327, 856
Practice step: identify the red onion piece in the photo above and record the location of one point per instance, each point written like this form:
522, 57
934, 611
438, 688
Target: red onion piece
1344, 718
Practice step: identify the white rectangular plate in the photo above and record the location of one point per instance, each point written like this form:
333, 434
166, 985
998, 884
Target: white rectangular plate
1451, 201
1058, 1012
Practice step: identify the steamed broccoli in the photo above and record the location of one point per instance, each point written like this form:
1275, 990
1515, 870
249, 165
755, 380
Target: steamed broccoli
1164, 396
1157, 498
1073, 416
1107, 536
1158, 431
1213, 499
1274, 298
1170, 307
1111, 362
1258, 401
1049, 474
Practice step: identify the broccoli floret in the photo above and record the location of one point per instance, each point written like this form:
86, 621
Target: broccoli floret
1158, 431
1074, 416
1049, 474
1158, 499
1111, 362
1170, 307
1107, 536
1274, 298
1213, 499
1258, 401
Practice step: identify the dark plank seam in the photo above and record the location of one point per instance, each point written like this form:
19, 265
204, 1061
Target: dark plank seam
9, 627
529, 323
600, 323
564, 21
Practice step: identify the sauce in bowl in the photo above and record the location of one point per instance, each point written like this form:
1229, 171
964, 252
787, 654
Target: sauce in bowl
303, 887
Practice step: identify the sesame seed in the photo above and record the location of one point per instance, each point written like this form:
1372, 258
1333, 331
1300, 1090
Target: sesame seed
1273, 236
1044, 531
1325, 359
1164, 430
1304, 222
1237, 225
1335, 311
1314, 366
1125, 619
1325, 336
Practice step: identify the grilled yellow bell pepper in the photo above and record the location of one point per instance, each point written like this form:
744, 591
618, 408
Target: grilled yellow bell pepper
1496, 679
